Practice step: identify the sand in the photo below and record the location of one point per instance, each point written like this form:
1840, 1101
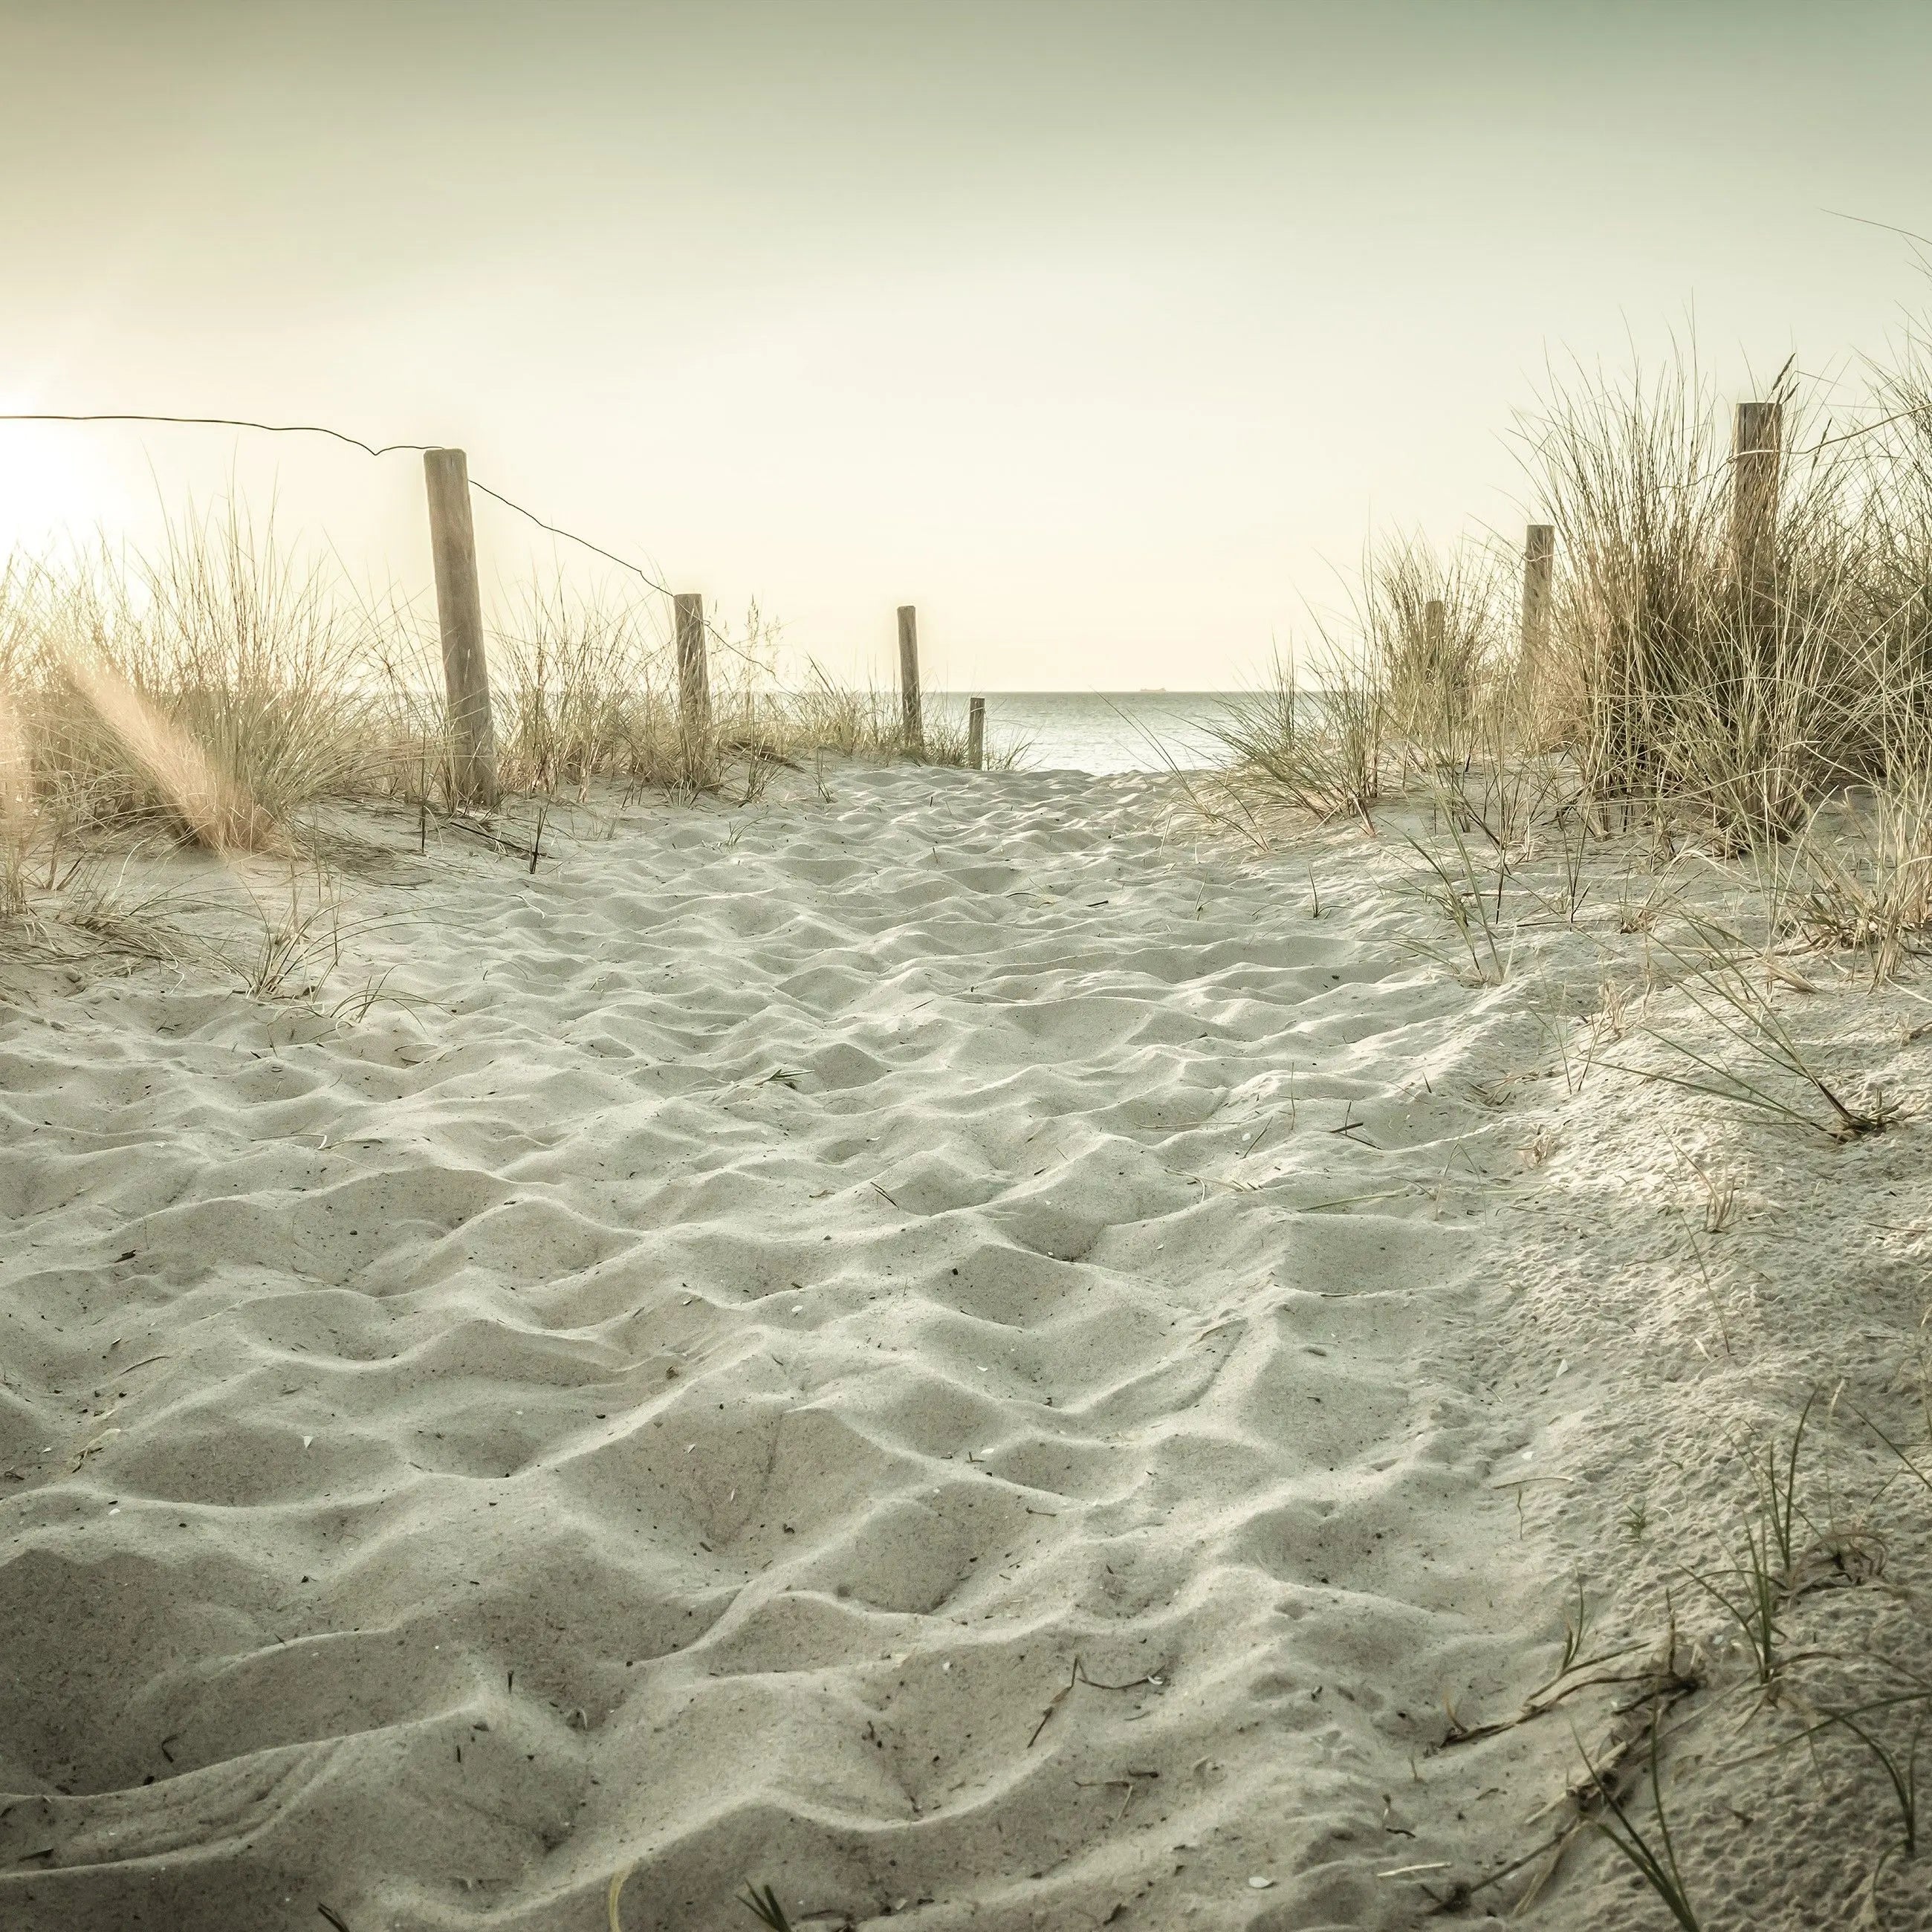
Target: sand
954, 1350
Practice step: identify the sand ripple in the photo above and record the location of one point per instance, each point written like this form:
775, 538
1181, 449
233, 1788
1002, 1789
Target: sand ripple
686, 1391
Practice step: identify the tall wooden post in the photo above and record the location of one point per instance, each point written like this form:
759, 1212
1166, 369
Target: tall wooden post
693, 682
1755, 453
1539, 572
459, 603
976, 733
914, 718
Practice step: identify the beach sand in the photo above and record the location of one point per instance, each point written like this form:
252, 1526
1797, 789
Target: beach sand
955, 1351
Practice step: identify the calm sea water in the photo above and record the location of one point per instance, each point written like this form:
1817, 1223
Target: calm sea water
1103, 730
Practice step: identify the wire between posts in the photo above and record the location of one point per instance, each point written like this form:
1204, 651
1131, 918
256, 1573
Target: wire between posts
372, 449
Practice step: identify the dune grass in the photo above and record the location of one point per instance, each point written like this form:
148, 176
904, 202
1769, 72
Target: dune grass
212, 686
1654, 1857
1728, 663
220, 693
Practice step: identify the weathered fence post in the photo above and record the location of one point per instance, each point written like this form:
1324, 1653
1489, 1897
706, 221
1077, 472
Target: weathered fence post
1755, 452
694, 685
1440, 687
1539, 572
914, 718
976, 733
459, 604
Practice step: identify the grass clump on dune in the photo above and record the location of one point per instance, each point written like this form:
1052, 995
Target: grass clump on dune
1735, 667
210, 689
219, 693
1727, 643
1430, 624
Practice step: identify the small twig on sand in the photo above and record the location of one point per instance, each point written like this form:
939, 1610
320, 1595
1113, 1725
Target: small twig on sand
1078, 1675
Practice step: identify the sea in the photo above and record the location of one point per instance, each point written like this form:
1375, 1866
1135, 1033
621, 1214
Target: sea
1103, 731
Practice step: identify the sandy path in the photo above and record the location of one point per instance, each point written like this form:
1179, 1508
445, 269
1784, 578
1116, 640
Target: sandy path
686, 1392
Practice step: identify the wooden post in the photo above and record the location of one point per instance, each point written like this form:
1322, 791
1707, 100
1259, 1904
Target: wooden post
1439, 691
976, 733
459, 603
1755, 450
915, 720
693, 682
1539, 572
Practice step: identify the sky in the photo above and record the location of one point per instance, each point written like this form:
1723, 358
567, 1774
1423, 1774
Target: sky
1105, 334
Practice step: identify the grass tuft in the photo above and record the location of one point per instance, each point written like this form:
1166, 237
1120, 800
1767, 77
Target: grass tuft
762, 1904
1655, 1862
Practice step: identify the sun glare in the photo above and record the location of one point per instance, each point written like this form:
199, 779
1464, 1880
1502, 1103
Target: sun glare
52, 482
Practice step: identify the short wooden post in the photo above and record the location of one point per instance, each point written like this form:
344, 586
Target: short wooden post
1755, 451
1539, 572
694, 681
459, 603
976, 733
914, 717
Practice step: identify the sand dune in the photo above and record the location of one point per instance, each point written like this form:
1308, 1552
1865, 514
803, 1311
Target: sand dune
942, 1351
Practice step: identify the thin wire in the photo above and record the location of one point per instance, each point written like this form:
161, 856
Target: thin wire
623, 563
222, 422
372, 449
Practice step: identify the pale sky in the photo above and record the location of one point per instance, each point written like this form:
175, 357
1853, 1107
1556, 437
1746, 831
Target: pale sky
1102, 332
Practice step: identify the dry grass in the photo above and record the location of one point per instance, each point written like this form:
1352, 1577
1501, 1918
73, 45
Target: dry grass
1721, 671
1432, 628
210, 688
1324, 749
220, 694
586, 692
1858, 880
1735, 680
1414, 684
